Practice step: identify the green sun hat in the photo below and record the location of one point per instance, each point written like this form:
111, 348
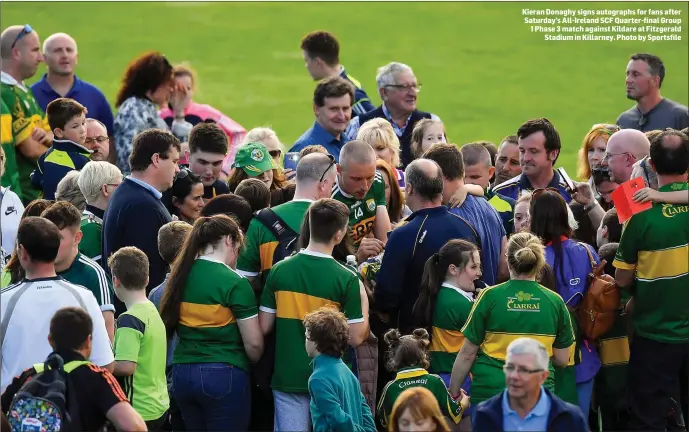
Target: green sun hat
254, 159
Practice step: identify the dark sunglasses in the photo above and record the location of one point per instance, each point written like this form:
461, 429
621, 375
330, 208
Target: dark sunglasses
332, 162
25, 31
275, 153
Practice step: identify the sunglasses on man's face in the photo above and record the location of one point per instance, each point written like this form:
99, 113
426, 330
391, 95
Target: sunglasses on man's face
25, 31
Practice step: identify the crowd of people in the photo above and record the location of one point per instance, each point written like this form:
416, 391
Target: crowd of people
180, 275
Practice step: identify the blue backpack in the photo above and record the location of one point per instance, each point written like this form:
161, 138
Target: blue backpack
46, 402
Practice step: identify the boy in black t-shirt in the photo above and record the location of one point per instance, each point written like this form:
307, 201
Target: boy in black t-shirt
99, 396
208, 146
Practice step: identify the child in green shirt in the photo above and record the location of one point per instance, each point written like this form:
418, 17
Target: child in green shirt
140, 339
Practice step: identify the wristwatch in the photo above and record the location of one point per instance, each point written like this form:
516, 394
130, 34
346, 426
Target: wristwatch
589, 207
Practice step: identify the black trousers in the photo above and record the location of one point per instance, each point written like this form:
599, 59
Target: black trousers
653, 382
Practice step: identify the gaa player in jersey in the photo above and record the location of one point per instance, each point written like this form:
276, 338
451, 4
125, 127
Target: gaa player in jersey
361, 188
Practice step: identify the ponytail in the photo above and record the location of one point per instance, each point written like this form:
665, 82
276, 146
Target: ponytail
207, 231
432, 279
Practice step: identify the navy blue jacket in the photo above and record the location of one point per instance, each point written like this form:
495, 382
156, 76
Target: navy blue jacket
409, 247
61, 158
133, 218
563, 417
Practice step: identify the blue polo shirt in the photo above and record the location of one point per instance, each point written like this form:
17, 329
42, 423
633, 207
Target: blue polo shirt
535, 420
84, 93
514, 187
318, 135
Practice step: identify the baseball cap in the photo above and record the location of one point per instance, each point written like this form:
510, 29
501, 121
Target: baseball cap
254, 159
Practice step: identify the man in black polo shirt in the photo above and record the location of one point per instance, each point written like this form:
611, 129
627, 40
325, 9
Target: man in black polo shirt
98, 394
399, 90
207, 150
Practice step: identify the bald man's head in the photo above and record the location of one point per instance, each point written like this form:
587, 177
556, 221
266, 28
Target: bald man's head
60, 51
358, 152
424, 179
624, 148
670, 153
20, 50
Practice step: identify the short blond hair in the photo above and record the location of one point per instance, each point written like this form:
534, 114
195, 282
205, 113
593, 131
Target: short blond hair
377, 133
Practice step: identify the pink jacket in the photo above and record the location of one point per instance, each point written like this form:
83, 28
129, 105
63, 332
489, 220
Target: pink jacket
196, 113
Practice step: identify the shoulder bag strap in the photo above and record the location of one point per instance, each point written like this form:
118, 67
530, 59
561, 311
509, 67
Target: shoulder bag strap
275, 224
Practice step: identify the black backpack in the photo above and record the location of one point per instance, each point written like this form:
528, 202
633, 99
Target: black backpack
287, 245
47, 401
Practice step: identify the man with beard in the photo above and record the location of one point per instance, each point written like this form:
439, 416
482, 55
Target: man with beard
539, 148
645, 74
20, 50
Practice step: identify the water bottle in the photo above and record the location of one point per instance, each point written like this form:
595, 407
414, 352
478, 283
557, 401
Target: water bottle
351, 261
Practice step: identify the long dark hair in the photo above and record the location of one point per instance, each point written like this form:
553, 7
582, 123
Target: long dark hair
549, 222
457, 252
207, 231
341, 250
34, 208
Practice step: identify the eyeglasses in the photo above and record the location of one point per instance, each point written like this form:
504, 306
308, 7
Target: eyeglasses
609, 156
406, 87
25, 31
275, 153
114, 185
332, 162
521, 371
98, 139
605, 127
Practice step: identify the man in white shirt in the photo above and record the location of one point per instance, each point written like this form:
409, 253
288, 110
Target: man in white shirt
27, 307
11, 209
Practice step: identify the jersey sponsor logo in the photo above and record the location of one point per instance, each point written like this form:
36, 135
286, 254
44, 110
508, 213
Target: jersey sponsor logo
371, 204
574, 281
418, 382
671, 210
362, 228
523, 302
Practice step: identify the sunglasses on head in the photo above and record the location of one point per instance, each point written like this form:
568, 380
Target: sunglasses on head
25, 31
537, 192
183, 173
332, 162
609, 128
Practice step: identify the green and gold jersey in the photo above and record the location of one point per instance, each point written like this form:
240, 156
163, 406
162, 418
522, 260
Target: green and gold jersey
362, 213
26, 115
452, 309
91, 241
295, 287
140, 338
417, 377
655, 244
505, 312
10, 177
260, 243
215, 297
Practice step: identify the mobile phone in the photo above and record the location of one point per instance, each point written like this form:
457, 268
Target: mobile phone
568, 181
291, 160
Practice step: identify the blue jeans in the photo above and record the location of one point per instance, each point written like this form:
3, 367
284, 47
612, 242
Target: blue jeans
212, 396
584, 391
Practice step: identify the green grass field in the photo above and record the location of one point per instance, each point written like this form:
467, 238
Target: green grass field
483, 71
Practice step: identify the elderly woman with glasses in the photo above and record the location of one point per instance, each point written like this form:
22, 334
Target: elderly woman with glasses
520, 307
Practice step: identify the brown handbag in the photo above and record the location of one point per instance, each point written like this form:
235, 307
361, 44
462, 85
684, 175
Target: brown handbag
599, 307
